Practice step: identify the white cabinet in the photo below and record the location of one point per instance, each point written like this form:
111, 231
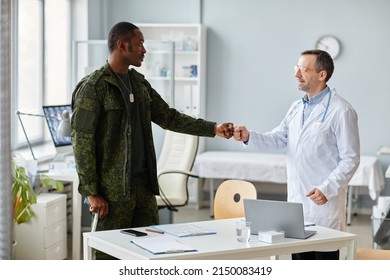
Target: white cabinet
189, 64
44, 236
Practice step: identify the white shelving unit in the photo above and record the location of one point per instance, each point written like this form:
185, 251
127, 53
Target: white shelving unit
189, 87
189, 63
158, 67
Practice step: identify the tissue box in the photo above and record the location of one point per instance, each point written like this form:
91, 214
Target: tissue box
271, 236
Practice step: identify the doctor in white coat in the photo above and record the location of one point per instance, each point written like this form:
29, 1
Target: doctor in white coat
320, 133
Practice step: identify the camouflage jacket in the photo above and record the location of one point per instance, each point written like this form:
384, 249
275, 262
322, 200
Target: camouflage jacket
101, 132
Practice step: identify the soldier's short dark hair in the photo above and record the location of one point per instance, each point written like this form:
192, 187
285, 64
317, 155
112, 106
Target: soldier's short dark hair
121, 30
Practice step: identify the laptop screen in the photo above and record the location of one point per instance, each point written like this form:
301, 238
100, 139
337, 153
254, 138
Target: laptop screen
275, 215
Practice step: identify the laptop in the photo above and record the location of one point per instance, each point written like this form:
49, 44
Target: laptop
274, 215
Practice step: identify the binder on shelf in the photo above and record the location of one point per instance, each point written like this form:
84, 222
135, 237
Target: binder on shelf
162, 245
183, 230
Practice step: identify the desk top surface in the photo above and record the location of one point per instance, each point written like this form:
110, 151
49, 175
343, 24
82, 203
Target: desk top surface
217, 245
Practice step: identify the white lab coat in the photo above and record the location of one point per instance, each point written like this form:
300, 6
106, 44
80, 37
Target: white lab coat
319, 154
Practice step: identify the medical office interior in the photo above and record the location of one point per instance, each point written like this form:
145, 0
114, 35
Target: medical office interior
238, 68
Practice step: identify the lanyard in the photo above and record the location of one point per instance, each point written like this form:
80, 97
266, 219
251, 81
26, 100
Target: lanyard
327, 106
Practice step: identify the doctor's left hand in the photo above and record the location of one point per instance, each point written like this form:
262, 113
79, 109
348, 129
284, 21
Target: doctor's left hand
317, 196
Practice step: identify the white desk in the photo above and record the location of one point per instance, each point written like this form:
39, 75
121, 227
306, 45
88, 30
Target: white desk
63, 173
263, 167
221, 246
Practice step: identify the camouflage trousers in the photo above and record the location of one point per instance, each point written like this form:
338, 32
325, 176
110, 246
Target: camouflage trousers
141, 210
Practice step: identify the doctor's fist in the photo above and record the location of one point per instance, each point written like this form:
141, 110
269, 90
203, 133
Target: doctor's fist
241, 133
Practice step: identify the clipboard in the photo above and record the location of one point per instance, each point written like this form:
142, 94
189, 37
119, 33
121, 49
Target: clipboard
183, 230
162, 245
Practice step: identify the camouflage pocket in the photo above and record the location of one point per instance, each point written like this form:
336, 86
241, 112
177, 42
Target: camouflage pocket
84, 121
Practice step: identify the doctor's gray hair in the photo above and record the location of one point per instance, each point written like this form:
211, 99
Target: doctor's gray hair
323, 62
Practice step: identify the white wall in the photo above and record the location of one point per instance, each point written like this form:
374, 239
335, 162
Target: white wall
153, 11
252, 46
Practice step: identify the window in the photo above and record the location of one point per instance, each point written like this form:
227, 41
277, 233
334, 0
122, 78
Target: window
42, 64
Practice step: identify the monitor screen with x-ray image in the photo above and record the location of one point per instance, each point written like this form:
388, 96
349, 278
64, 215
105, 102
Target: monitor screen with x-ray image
58, 120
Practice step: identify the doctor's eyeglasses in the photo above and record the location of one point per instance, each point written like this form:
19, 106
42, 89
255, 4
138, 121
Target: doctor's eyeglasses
301, 68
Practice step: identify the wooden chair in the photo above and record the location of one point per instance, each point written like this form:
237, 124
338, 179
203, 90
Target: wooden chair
372, 254
229, 198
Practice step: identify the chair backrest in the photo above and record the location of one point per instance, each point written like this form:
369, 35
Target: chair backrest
372, 254
229, 198
178, 153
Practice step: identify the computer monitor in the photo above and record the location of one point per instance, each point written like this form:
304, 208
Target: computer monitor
57, 118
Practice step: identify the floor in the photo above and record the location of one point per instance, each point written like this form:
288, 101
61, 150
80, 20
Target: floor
360, 225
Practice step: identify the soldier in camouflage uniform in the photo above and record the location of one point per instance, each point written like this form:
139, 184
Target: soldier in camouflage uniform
113, 111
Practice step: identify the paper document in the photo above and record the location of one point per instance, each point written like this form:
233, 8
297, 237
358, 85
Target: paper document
183, 230
162, 245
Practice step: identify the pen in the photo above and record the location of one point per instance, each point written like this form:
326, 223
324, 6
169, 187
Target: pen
155, 231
